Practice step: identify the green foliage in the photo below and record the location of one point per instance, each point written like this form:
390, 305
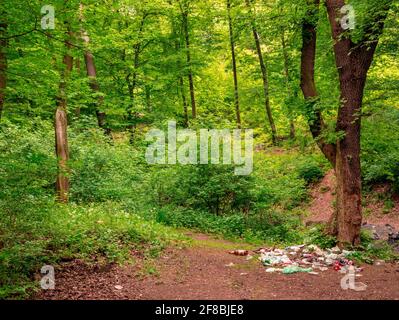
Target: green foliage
204, 187
101, 171
310, 171
51, 234
371, 250
380, 148
35, 231
270, 227
319, 237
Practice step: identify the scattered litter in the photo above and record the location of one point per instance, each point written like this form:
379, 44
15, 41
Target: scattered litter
305, 258
118, 287
231, 264
295, 269
243, 274
239, 252
379, 262
249, 257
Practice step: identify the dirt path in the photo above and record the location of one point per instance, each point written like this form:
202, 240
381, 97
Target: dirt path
202, 272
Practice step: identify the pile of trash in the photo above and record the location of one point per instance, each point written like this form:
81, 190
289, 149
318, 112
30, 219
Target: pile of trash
305, 258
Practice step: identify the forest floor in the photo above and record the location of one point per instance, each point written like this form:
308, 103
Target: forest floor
374, 211
205, 270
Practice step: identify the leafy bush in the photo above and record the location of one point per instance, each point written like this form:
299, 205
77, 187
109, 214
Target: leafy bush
53, 233
101, 171
271, 227
214, 188
310, 172
380, 148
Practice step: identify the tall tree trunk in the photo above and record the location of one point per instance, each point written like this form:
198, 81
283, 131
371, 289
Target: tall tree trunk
92, 74
147, 89
181, 82
3, 66
265, 77
131, 79
61, 128
233, 58
190, 72
184, 100
308, 85
287, 81
353, 60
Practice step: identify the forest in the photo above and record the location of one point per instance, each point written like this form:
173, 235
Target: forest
111, 170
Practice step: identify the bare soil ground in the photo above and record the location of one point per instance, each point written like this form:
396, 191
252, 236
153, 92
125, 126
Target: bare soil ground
207, 271
323, 195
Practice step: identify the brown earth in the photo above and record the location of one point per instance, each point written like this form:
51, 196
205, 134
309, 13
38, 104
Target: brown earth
206, 270
321, 207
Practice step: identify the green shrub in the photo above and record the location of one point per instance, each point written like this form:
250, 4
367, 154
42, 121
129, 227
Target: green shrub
380, 148
270, 227
214, 188
310, 171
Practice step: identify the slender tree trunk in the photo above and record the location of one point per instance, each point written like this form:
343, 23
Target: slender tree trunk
92, 74
184, 100
287, 81
131, 79
147, 89
61, 128
265, 77
3, 66
181, 83
233, 58
190, 72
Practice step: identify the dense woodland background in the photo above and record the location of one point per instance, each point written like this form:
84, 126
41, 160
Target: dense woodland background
112, 70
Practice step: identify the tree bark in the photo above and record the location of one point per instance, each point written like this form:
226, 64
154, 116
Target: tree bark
265, 77
131, 79
287, 81
61, 128
308, 86
92, 75
353, 62
3, 66
233, 58
190, 72
184, 100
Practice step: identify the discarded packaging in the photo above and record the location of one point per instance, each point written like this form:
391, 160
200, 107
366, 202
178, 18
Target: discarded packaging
305, 257
294, 269
239, 252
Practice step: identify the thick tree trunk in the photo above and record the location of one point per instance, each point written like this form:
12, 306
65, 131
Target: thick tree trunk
233, 58
353, 61
3, 66
61, 128
190, 72
308, 85
265, 77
